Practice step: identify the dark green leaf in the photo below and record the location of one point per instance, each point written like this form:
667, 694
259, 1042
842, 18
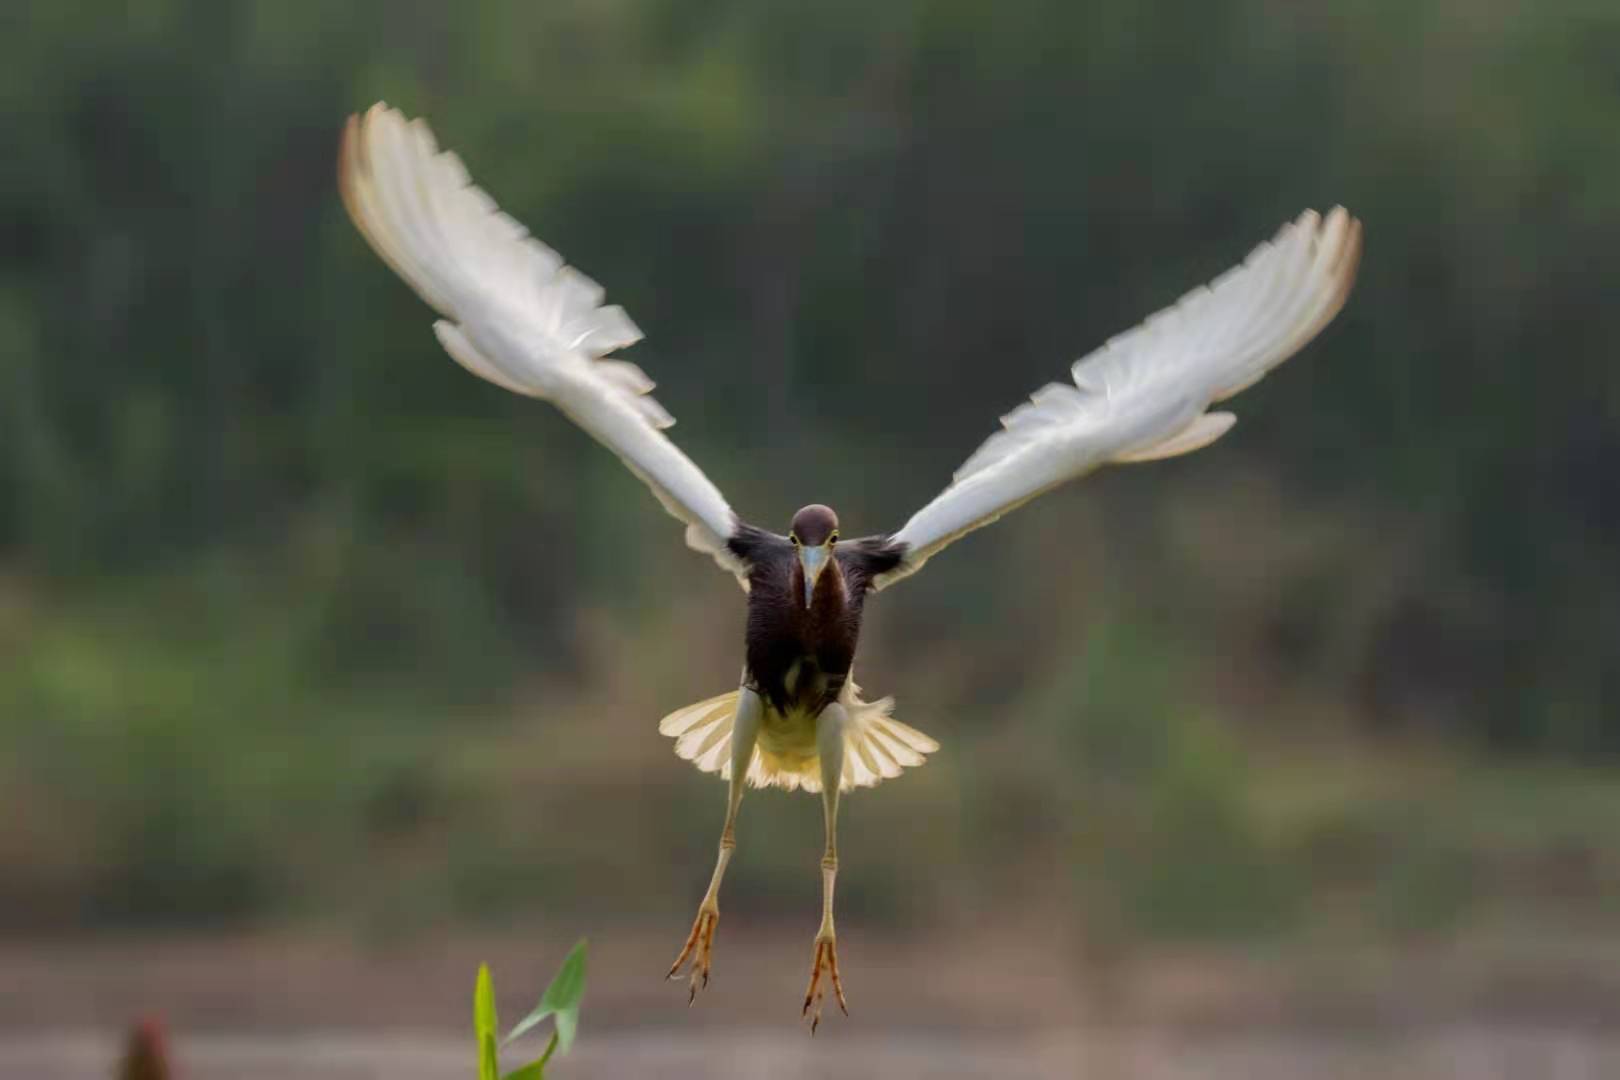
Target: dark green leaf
561, 1000
551, 1048
534, 1070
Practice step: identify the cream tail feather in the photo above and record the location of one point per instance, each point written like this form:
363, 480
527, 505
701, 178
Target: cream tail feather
877, 747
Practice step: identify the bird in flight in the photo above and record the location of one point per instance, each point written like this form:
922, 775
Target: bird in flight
513, 313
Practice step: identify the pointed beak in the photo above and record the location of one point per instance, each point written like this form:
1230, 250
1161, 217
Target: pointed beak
814, 560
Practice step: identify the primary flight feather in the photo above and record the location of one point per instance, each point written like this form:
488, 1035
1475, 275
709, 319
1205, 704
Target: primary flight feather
513, 313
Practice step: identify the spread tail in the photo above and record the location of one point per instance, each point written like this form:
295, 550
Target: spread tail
876, 746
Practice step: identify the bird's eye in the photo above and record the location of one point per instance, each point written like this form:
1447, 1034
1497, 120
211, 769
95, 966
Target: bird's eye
833, 539
795, 538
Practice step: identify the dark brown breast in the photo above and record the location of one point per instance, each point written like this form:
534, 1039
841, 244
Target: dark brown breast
798, 657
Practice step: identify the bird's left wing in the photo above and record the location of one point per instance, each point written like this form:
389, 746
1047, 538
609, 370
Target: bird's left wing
1145, 394
514, 314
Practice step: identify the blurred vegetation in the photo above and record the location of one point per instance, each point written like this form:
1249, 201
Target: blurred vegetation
296, 618
559, 1003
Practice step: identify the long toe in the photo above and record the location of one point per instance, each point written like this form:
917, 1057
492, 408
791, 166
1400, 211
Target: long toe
823, 970
699, 949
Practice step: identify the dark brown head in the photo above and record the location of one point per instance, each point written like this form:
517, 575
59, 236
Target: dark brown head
814, 526
814, 532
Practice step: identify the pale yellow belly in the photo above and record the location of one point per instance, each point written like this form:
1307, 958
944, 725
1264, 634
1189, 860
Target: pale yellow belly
788, 740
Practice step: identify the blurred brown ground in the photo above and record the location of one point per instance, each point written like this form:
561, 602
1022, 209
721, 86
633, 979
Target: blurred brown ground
1007, 1002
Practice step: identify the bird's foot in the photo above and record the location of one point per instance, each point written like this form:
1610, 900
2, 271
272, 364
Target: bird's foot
825, 962
699, 944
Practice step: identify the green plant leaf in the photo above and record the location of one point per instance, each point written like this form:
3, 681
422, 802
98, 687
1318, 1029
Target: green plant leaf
551, 1048
485, 1025
561, 1000
534, 1070
489, 1065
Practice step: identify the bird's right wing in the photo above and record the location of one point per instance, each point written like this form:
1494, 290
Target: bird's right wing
1145, 394
514, 314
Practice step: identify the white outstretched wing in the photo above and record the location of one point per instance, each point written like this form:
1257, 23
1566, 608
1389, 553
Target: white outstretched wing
513, 313
1145, 394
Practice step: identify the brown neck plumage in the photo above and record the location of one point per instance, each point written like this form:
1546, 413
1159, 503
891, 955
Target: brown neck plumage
828, 601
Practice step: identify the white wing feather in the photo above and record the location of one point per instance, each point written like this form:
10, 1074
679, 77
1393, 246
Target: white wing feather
514, 314
1144, 394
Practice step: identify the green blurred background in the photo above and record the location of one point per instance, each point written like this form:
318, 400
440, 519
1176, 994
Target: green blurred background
302, 626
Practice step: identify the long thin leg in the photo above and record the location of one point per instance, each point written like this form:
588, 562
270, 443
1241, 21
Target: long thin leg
830, 727
700, 942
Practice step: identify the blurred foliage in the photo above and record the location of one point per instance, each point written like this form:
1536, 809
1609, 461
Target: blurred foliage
282, 591
560, 1002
